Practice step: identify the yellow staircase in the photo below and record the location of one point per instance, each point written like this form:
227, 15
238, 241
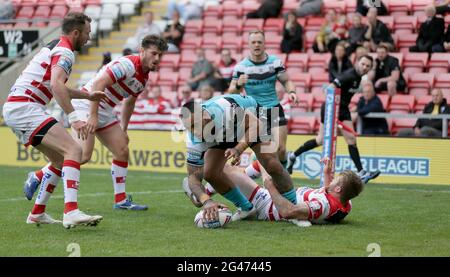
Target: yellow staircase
114, 41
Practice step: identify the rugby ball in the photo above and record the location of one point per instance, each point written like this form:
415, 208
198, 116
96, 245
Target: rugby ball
224, 218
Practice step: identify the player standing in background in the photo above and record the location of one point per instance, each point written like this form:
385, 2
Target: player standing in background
123, 78
258, 74
45, 77
348, 82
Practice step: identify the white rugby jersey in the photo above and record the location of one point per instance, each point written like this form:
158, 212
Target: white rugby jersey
128, 77
33, 85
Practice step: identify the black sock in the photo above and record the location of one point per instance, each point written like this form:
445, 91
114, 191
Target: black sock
354, 154
310, 144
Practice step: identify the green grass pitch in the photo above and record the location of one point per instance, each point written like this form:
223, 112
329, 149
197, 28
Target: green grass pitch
404, 220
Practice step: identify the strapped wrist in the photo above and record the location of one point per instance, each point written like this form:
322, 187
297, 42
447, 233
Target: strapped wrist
73, 117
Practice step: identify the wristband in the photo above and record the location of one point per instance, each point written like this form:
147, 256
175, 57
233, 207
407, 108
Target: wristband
238, 86
292, 91
73, 117
204, 202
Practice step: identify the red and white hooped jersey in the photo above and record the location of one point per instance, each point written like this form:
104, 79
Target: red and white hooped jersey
128, 77
323, 207
33, 85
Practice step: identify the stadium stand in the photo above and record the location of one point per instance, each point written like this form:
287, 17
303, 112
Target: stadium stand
224, 25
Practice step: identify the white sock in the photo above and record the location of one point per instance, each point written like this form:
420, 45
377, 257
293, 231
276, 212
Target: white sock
119, 171
71, 180
50, 179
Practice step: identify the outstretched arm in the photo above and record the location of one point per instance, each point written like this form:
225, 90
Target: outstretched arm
285, 207
195, 177
288, 85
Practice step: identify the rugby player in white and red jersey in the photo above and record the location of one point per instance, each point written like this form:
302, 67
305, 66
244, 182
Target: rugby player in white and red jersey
329, 204
24, 112
121, 79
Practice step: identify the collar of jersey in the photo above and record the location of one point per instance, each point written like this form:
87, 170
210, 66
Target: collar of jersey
259, 63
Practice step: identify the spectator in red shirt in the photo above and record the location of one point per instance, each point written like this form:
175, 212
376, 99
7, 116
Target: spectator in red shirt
224, 71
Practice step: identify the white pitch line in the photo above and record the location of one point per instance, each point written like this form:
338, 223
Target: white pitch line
416, 190
98, 194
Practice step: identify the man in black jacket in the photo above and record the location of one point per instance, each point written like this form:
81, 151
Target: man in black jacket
430, 33
268, 8
368, 103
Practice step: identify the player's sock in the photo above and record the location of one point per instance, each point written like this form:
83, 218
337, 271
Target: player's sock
310, 144
209, 189
238, 199
51, 176
291, 196
354, 154
40, 173
253, 171
71, 180
119, 171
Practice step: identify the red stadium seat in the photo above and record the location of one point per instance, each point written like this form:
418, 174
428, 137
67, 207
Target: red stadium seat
421, 80
439, 60
419, 5
170, 61
319, 79
249, 6
273, 42
401, 102
153, 77
399, 7
310, 37
337, 6
289, 6
302, 125
412, 70
191, 43
212, 42
212, 27
319, 99
422, 102
253, 24
438, 70
442, 80
274, 24
28, 3
399, 56
405, 22
319, 60
418, 60
418, 92
168, 79
299, 60
401, 123
187, 59
350, 6
193, 26
232, 26
213, 12
232, 42
302, 81
232, 9
183, 74
42, 12
384, 100
25, 13
314, 23
59, 11
305, 101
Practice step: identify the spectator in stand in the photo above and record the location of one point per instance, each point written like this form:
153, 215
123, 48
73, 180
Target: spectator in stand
206, 92
377, 31
326, 38
356, 34
157, 102
431, 33
430, 127
202, 72
386, 73
173, 34
369, 102
361, 51
442, 6
127, 52
188, 9
309, 7
339, 62
185, 96
148, 28
268, 9
224, 71
292, 34
447, 39
106, 59
363, 6
7, 10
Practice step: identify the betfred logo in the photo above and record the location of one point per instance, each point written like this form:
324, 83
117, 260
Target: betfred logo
72, 184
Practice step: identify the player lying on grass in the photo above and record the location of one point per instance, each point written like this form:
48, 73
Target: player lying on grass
221, 129
122, 79
329, 204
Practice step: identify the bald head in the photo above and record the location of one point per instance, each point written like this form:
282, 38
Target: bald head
437, 96
430, 11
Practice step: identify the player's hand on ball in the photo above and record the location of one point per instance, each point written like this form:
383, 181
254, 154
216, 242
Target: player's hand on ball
234, 154
81, 129
211, 209
242, 79
92, 124
97, 96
